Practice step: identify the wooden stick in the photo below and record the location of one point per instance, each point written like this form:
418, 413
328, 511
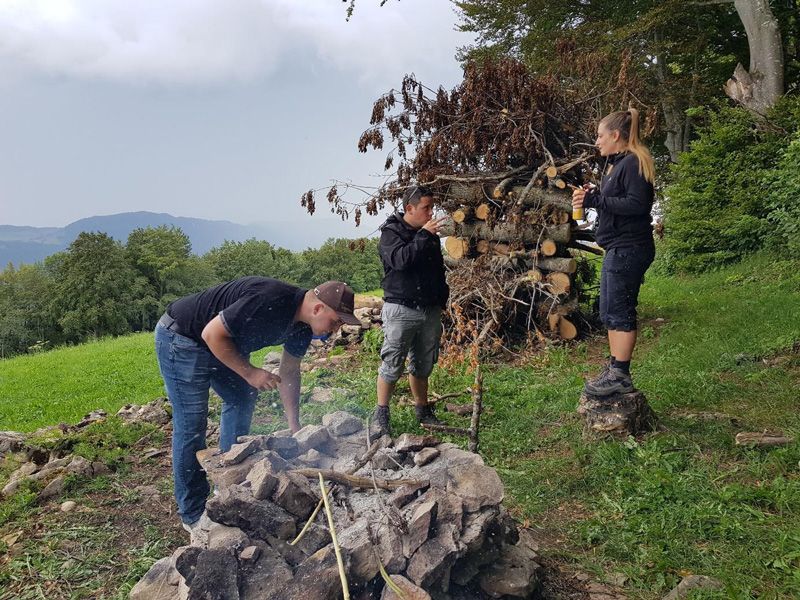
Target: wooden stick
355, 481
760, 438
477, 407
337, 550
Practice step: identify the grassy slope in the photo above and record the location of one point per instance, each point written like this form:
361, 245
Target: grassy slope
682, 500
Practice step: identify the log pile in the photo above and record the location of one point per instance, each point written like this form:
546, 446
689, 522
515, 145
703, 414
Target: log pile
513, 253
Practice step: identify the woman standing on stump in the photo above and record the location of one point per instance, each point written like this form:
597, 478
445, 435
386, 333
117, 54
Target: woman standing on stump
624, 230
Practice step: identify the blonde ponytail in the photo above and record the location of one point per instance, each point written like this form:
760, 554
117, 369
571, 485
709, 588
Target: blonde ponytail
627, 123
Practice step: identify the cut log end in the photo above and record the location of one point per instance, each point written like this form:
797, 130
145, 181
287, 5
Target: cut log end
456, 247
548, 247
482, 211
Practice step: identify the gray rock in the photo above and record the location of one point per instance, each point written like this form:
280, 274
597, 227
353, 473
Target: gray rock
294, 494
425, 456
409, 442
312, 458
341, 423
476, 485
693, 582
11, 441
419, 525
68, 506
431, 563
263, 478
324, 395
405, 494
159, 583
410, 591
236, 507
356, 543
285, 446
316, 577
251, 553
240, 451
312, 436
515, 574
263, 573
387, 459
216, 576
223, 537
54, 488
222, 476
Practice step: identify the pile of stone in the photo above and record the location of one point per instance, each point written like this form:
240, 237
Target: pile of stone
428, 512
51, 468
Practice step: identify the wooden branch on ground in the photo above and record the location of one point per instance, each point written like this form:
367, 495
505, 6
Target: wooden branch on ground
355, 481
762, 439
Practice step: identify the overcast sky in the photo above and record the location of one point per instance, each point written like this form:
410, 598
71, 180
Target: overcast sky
218, 109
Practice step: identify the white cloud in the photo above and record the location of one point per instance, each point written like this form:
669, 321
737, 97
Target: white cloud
211, 41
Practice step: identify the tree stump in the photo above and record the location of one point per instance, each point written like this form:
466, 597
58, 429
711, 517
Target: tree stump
617, 416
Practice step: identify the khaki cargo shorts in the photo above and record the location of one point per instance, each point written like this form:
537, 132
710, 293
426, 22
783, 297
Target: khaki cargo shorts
413, 333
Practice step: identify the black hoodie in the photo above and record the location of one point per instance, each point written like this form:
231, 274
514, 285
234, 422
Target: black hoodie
623, 202
412, 264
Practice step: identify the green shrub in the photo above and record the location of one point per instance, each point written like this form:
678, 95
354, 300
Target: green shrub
784, 185
724, 192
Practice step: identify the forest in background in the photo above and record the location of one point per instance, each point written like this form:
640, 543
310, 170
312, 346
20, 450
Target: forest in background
100, 287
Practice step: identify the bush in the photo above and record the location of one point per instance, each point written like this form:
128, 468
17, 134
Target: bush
784, 185
725, 189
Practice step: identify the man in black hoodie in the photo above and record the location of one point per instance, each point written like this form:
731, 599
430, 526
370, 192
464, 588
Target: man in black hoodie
415, 292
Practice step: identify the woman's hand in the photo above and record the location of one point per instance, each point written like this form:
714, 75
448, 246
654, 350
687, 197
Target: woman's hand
578, 195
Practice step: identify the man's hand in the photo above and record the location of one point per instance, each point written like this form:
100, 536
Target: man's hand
262, 380
434, 224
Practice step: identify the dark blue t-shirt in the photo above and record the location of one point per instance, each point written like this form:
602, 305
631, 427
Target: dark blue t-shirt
256, 311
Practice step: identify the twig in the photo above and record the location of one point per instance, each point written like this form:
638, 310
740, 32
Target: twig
339, 561
354, 481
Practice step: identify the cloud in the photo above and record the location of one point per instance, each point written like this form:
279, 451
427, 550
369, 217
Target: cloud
217, 41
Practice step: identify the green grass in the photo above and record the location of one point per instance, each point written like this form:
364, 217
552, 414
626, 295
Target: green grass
62, 385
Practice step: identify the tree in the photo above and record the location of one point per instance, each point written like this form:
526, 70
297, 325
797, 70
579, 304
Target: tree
680, 52
759, 88
232, 260
25, 317
355, 262
161, 256
94, 292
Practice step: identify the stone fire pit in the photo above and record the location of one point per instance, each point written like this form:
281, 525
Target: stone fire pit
430, 512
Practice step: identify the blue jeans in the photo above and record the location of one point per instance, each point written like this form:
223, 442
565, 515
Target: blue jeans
189, 370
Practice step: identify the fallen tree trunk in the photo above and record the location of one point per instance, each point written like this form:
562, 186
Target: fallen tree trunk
562, 265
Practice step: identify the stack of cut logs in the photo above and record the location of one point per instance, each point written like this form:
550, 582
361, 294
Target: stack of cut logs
511, 251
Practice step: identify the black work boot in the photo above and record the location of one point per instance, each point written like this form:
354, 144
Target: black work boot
380, 418
425, 415
611, 381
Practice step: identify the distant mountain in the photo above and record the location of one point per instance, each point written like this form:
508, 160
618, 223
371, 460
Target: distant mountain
30, 244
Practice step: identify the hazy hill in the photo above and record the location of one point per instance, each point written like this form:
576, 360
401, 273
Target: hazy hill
20, 244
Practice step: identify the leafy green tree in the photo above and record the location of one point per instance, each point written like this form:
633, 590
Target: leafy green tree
675, 54
232, 260
25, 317
161, 256
355, 262
94, 292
